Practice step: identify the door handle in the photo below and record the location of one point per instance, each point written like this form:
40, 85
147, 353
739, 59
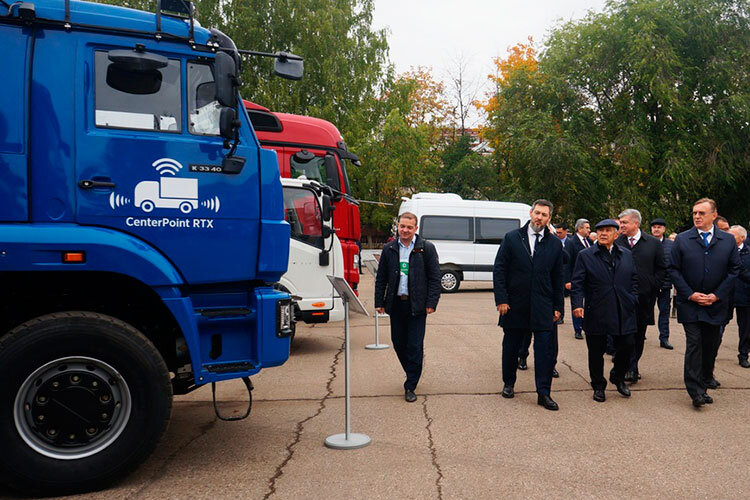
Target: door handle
92, 184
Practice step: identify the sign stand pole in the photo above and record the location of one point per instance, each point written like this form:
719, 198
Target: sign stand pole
372, 267
348, 440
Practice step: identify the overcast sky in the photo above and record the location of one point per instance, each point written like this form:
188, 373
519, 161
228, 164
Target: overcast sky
434, 33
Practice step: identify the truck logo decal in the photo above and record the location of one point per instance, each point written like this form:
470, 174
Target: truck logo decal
177, 193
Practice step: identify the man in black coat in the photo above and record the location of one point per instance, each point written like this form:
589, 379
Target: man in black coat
573, 246
407, 287
528, 285
648, 255
664, 299
742, 295
704, 266
604, 292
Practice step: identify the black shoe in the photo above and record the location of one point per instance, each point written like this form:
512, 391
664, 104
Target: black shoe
712, 384
623, 389
555, 373
547, 402
631, 377
599, 396
744, 363
522, 364
698, 401
666, 345
409, 396
708, 399
579, 336
508, 392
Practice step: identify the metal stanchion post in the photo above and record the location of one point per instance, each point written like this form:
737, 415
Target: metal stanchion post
372, 267
348, 440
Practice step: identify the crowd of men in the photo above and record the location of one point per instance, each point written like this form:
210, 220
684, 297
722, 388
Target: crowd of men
614, 277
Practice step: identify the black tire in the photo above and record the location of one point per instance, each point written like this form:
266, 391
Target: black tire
450, 281
82, 360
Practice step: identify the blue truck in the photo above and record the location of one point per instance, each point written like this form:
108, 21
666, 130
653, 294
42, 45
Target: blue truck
141, 232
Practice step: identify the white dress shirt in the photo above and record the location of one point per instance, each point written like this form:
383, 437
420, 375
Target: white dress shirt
532, 238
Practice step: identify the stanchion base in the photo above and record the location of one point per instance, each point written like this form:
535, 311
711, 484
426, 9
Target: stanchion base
339, 441
377, 346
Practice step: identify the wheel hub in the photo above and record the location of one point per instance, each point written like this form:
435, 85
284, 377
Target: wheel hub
72, 407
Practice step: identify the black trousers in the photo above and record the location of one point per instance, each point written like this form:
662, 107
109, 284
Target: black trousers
664, 302
544, 355
597, 345
407, 335
642, 317
743, 323
701, 347
523, 352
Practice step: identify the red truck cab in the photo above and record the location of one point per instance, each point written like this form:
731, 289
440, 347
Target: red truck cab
315, 148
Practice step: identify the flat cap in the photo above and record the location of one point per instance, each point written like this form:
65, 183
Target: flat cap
658, 222
607, 223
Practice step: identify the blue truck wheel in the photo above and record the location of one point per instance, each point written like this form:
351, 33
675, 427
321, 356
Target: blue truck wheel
85, 400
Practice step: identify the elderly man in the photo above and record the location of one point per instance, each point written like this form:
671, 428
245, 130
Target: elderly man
573, 246
742, 295
704, 266
664, 299
648, 255
528, 285
603, 294
407, 287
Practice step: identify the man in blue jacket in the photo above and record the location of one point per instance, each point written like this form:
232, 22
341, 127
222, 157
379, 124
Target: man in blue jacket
528, 285
704, 266
604, 293
664, 298
742, 295
407, 287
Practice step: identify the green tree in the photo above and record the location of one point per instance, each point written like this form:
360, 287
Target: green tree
466, 172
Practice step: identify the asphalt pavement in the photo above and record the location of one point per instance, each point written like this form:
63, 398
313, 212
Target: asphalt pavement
460, 440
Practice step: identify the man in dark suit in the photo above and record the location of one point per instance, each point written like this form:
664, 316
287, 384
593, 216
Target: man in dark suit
704, 266
407, 287
603, 294
742, 295
573, 246
664, 299
528, 285
648, 255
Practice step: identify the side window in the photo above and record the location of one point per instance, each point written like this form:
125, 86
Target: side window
203, 108
492, 231
437, 227
139, 100
302, 212
307, 164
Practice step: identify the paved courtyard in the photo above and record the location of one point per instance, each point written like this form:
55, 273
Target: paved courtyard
460, 440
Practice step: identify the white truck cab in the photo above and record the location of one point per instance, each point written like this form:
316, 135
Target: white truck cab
466, 233
314, 252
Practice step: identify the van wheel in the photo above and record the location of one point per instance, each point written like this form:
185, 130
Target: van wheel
84, 400
449, 281
147, 206
186, 207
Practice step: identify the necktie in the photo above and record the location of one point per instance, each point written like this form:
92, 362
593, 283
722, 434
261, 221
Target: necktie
536, 242
586, 243
705, 238
632, 241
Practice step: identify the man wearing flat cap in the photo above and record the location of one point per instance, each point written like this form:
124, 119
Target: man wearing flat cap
664, 298
604, 293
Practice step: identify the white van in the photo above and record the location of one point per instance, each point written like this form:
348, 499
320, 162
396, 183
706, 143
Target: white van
314, 252
466, 233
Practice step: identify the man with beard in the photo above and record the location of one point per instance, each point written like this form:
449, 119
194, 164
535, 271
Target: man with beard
528, 286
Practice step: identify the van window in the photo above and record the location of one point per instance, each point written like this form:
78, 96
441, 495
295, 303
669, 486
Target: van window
140, 100
492, 231
302, 212
438, 227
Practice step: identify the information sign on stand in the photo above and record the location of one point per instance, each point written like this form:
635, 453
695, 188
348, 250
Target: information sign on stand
372, 266
348, 440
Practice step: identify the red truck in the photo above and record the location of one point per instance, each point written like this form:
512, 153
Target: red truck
315, 148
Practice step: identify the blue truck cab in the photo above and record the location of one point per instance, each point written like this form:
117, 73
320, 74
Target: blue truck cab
141, 232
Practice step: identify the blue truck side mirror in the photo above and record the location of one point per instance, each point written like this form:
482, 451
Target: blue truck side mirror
226, 80
288, 66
